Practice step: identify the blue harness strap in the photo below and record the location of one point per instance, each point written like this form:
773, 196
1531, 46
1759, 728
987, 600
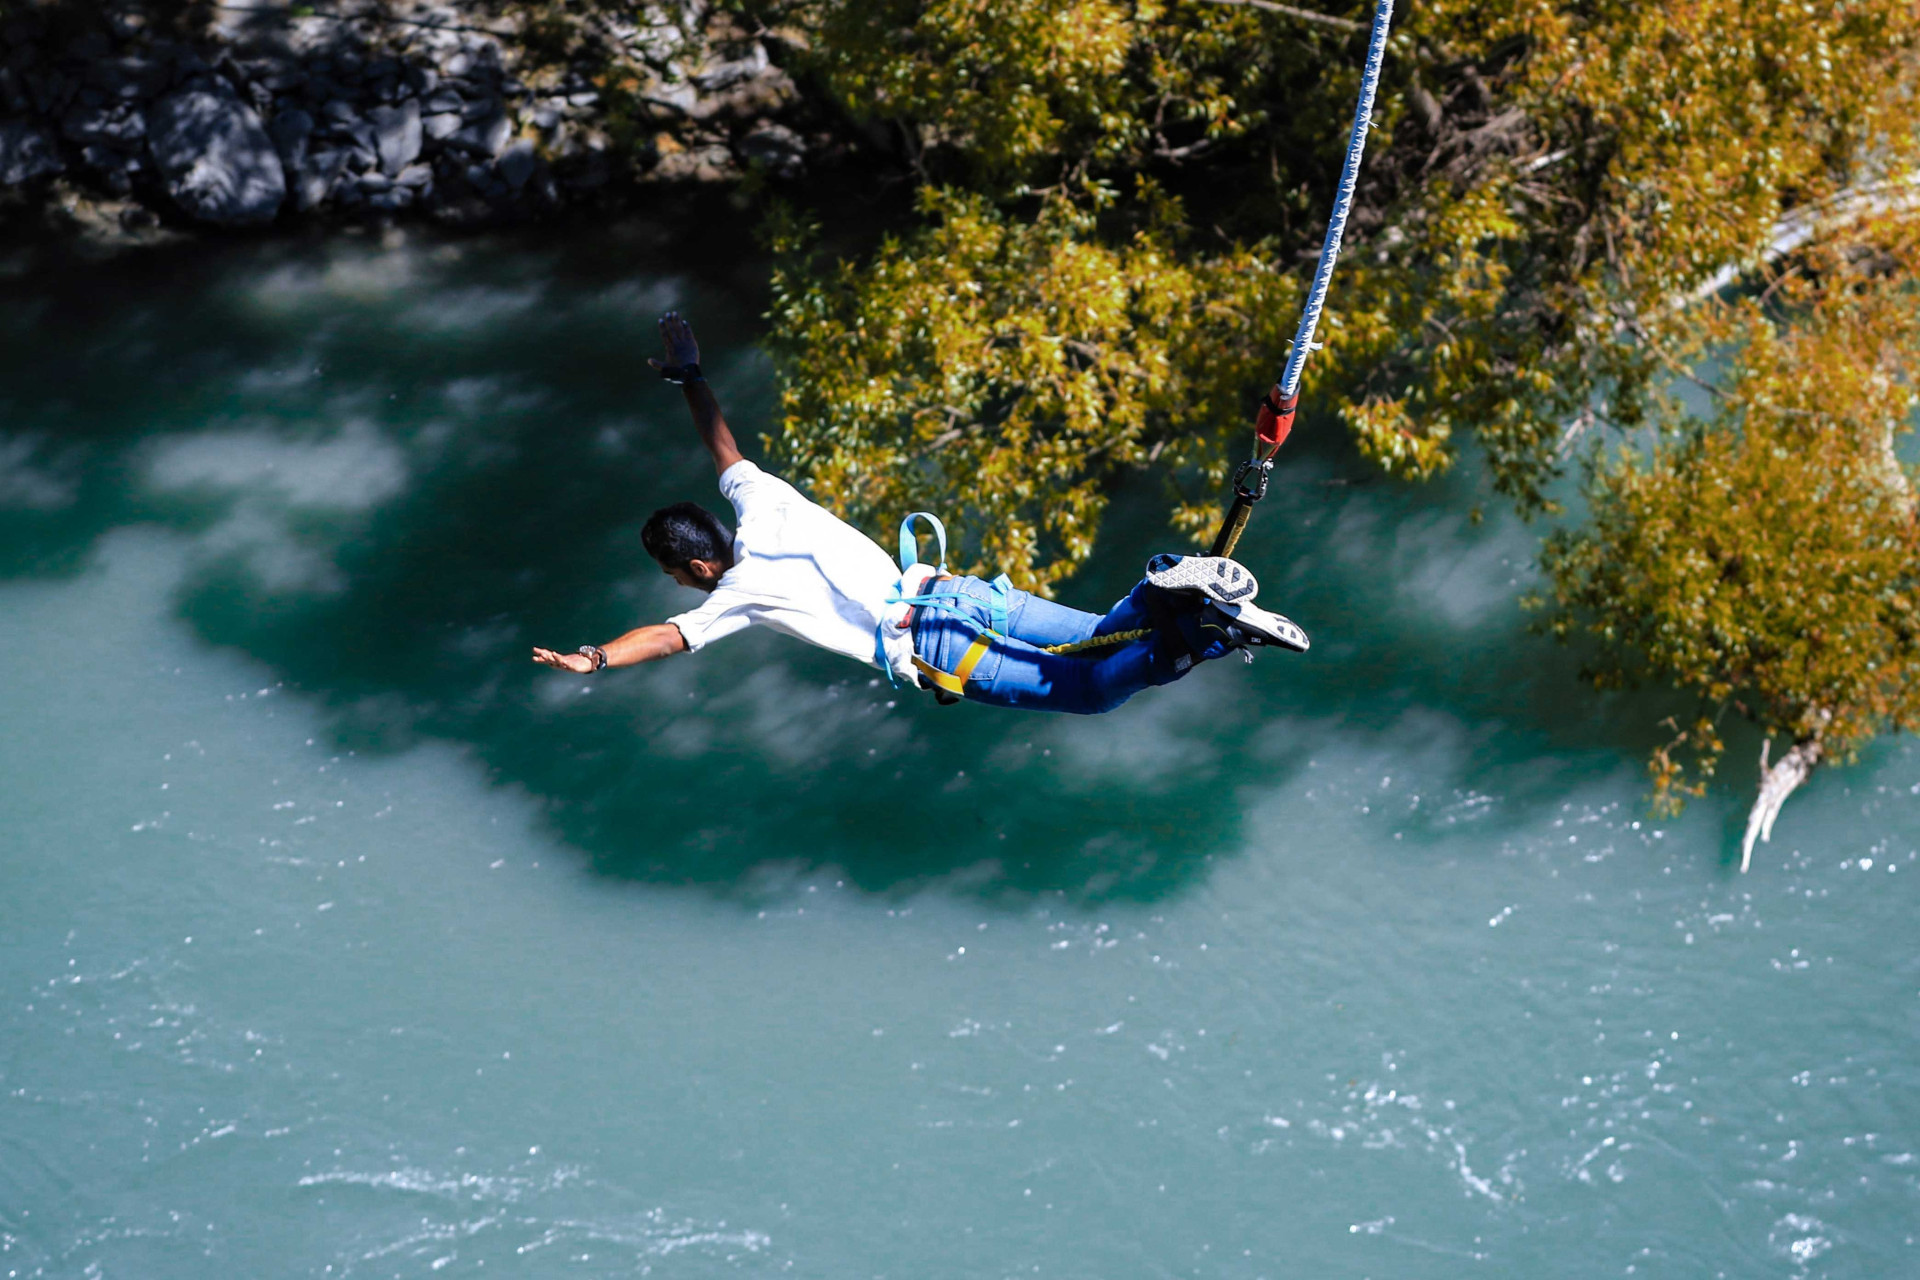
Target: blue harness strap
997, 607
910, 542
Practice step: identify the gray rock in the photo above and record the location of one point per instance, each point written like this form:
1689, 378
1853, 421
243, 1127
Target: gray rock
51, 91
415, 175
371, 182
130, 77
392, 200
340, 112
187, 63
443, 100
727, 74
219, 163
321, 90
701, 164
102, 158
104, 124
396, 135
291, 130
283, 78
315, 178
517, 164
26, 152
114, 170
484, 137
483, 107
775, 147
442, 126
680, 97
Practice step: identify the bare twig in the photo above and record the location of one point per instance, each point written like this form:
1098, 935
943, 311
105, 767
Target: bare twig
1581, 424
1305, 15
1779, 280
1673, 365
1178, 154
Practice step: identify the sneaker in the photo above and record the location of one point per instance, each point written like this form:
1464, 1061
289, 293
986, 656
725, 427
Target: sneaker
1259, 627
1219, 579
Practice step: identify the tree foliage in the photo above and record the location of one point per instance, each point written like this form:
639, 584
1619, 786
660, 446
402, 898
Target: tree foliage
1003, 369
1766, 557
1120, 202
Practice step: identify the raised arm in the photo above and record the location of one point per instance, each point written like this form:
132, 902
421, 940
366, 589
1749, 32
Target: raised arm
683, 358
661, 640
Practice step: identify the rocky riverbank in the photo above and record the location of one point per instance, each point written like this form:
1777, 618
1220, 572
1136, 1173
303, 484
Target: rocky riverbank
118, 121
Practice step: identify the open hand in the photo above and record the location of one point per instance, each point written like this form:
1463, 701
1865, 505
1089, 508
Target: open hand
676, 337
578, 663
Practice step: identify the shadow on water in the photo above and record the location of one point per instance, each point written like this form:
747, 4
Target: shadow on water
399, 468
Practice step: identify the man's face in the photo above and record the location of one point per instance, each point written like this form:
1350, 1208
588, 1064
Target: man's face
701, 575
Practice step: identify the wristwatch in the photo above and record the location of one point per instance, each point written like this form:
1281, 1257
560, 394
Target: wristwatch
598, 655
681, 374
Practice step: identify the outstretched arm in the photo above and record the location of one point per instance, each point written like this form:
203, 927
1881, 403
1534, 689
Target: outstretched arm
682, 350
661, 640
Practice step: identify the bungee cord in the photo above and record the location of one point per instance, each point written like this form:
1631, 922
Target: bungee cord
1275, 418
1276, 413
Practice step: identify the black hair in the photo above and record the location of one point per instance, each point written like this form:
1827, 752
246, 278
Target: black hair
684, 532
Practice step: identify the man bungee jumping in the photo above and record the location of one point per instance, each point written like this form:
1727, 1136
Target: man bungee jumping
796, 567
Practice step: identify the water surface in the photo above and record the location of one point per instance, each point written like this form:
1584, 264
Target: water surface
337, 940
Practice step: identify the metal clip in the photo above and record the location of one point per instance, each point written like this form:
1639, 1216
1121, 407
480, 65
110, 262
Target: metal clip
1262, 470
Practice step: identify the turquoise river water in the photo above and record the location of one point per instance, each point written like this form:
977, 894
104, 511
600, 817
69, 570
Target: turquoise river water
338, 940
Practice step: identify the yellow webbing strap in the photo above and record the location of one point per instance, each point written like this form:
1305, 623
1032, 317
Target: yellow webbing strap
1099, 642
957, 682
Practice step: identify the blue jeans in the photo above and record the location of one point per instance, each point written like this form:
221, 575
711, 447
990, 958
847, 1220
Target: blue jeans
1018, 672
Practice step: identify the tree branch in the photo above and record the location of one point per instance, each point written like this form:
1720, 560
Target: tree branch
1801, 225
1894, 476
1777, 783
1673, 365
1305, 15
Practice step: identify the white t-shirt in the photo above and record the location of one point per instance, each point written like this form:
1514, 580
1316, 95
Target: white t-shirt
800, 569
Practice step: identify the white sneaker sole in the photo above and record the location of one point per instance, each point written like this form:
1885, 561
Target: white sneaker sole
1219, 579
1267, 627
